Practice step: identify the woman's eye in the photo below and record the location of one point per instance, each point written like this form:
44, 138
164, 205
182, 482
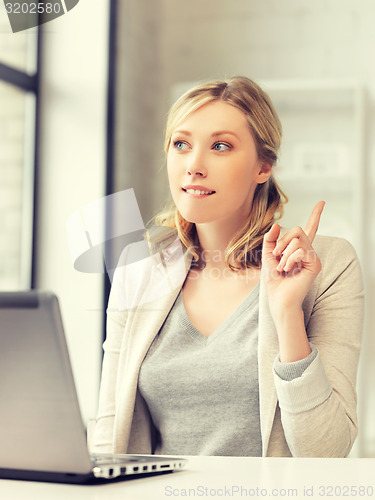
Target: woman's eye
180, 145
220, 146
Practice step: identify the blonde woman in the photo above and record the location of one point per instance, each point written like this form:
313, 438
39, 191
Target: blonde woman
253, 350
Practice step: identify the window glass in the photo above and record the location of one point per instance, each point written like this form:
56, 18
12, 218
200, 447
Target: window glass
16, 186
17, 49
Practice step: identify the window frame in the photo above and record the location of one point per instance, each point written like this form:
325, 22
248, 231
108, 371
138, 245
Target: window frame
110, 131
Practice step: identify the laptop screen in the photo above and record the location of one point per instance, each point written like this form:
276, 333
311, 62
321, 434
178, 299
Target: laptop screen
40, 422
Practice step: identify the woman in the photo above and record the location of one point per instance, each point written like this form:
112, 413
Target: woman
253, 348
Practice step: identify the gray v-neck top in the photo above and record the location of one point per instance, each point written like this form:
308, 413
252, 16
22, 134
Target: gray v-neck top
202, 392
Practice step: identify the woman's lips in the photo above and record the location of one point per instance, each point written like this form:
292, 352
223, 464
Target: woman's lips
197, 191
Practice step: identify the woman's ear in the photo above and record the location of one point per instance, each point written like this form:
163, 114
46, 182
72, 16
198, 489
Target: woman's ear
264, 173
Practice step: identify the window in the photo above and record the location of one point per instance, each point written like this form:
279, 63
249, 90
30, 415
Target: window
18, 120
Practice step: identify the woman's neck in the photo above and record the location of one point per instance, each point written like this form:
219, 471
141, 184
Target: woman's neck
213, 244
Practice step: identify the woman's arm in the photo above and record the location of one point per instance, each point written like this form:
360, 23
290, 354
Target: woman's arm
102, 441
318, 409
292, 347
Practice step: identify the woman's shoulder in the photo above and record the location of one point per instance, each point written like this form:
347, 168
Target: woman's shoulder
160, 248
154, 240
333, 245
336, 255
150, 270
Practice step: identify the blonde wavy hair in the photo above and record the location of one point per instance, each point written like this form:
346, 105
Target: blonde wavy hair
245, 248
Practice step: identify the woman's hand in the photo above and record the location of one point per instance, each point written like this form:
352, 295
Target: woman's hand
290, 264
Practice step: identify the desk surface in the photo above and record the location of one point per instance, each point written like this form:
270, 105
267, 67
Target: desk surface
222, 477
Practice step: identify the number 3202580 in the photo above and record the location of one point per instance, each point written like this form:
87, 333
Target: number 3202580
33, 8
346, 491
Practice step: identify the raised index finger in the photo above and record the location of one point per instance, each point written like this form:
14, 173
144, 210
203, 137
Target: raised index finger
313, 222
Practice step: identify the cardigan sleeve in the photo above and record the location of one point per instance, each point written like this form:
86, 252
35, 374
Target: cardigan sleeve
102, 441
318, 409
294, 369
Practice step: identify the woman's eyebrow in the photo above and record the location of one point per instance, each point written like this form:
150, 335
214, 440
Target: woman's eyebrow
214, 134
186, 132
222, 132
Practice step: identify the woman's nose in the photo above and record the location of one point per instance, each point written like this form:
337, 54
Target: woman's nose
196, 166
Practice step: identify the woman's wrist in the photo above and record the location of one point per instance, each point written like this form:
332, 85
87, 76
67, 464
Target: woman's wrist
286, 312
291, 331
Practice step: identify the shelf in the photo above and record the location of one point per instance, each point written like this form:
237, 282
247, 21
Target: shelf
312, 94
305, 184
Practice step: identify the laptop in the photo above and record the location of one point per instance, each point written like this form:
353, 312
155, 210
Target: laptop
42, 436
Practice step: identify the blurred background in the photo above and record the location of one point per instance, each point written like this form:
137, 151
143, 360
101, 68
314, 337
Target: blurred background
83, 103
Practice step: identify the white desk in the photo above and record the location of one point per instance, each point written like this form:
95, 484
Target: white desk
222, 477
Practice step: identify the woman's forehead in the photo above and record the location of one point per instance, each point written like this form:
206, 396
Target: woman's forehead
215, 115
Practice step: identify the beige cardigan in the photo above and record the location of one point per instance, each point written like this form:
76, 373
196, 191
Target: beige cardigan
311, 416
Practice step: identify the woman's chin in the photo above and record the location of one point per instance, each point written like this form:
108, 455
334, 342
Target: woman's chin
197, 218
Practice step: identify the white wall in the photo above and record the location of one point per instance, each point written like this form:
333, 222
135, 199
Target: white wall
72, 173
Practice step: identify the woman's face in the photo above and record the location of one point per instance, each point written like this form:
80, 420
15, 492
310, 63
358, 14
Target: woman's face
213, 166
